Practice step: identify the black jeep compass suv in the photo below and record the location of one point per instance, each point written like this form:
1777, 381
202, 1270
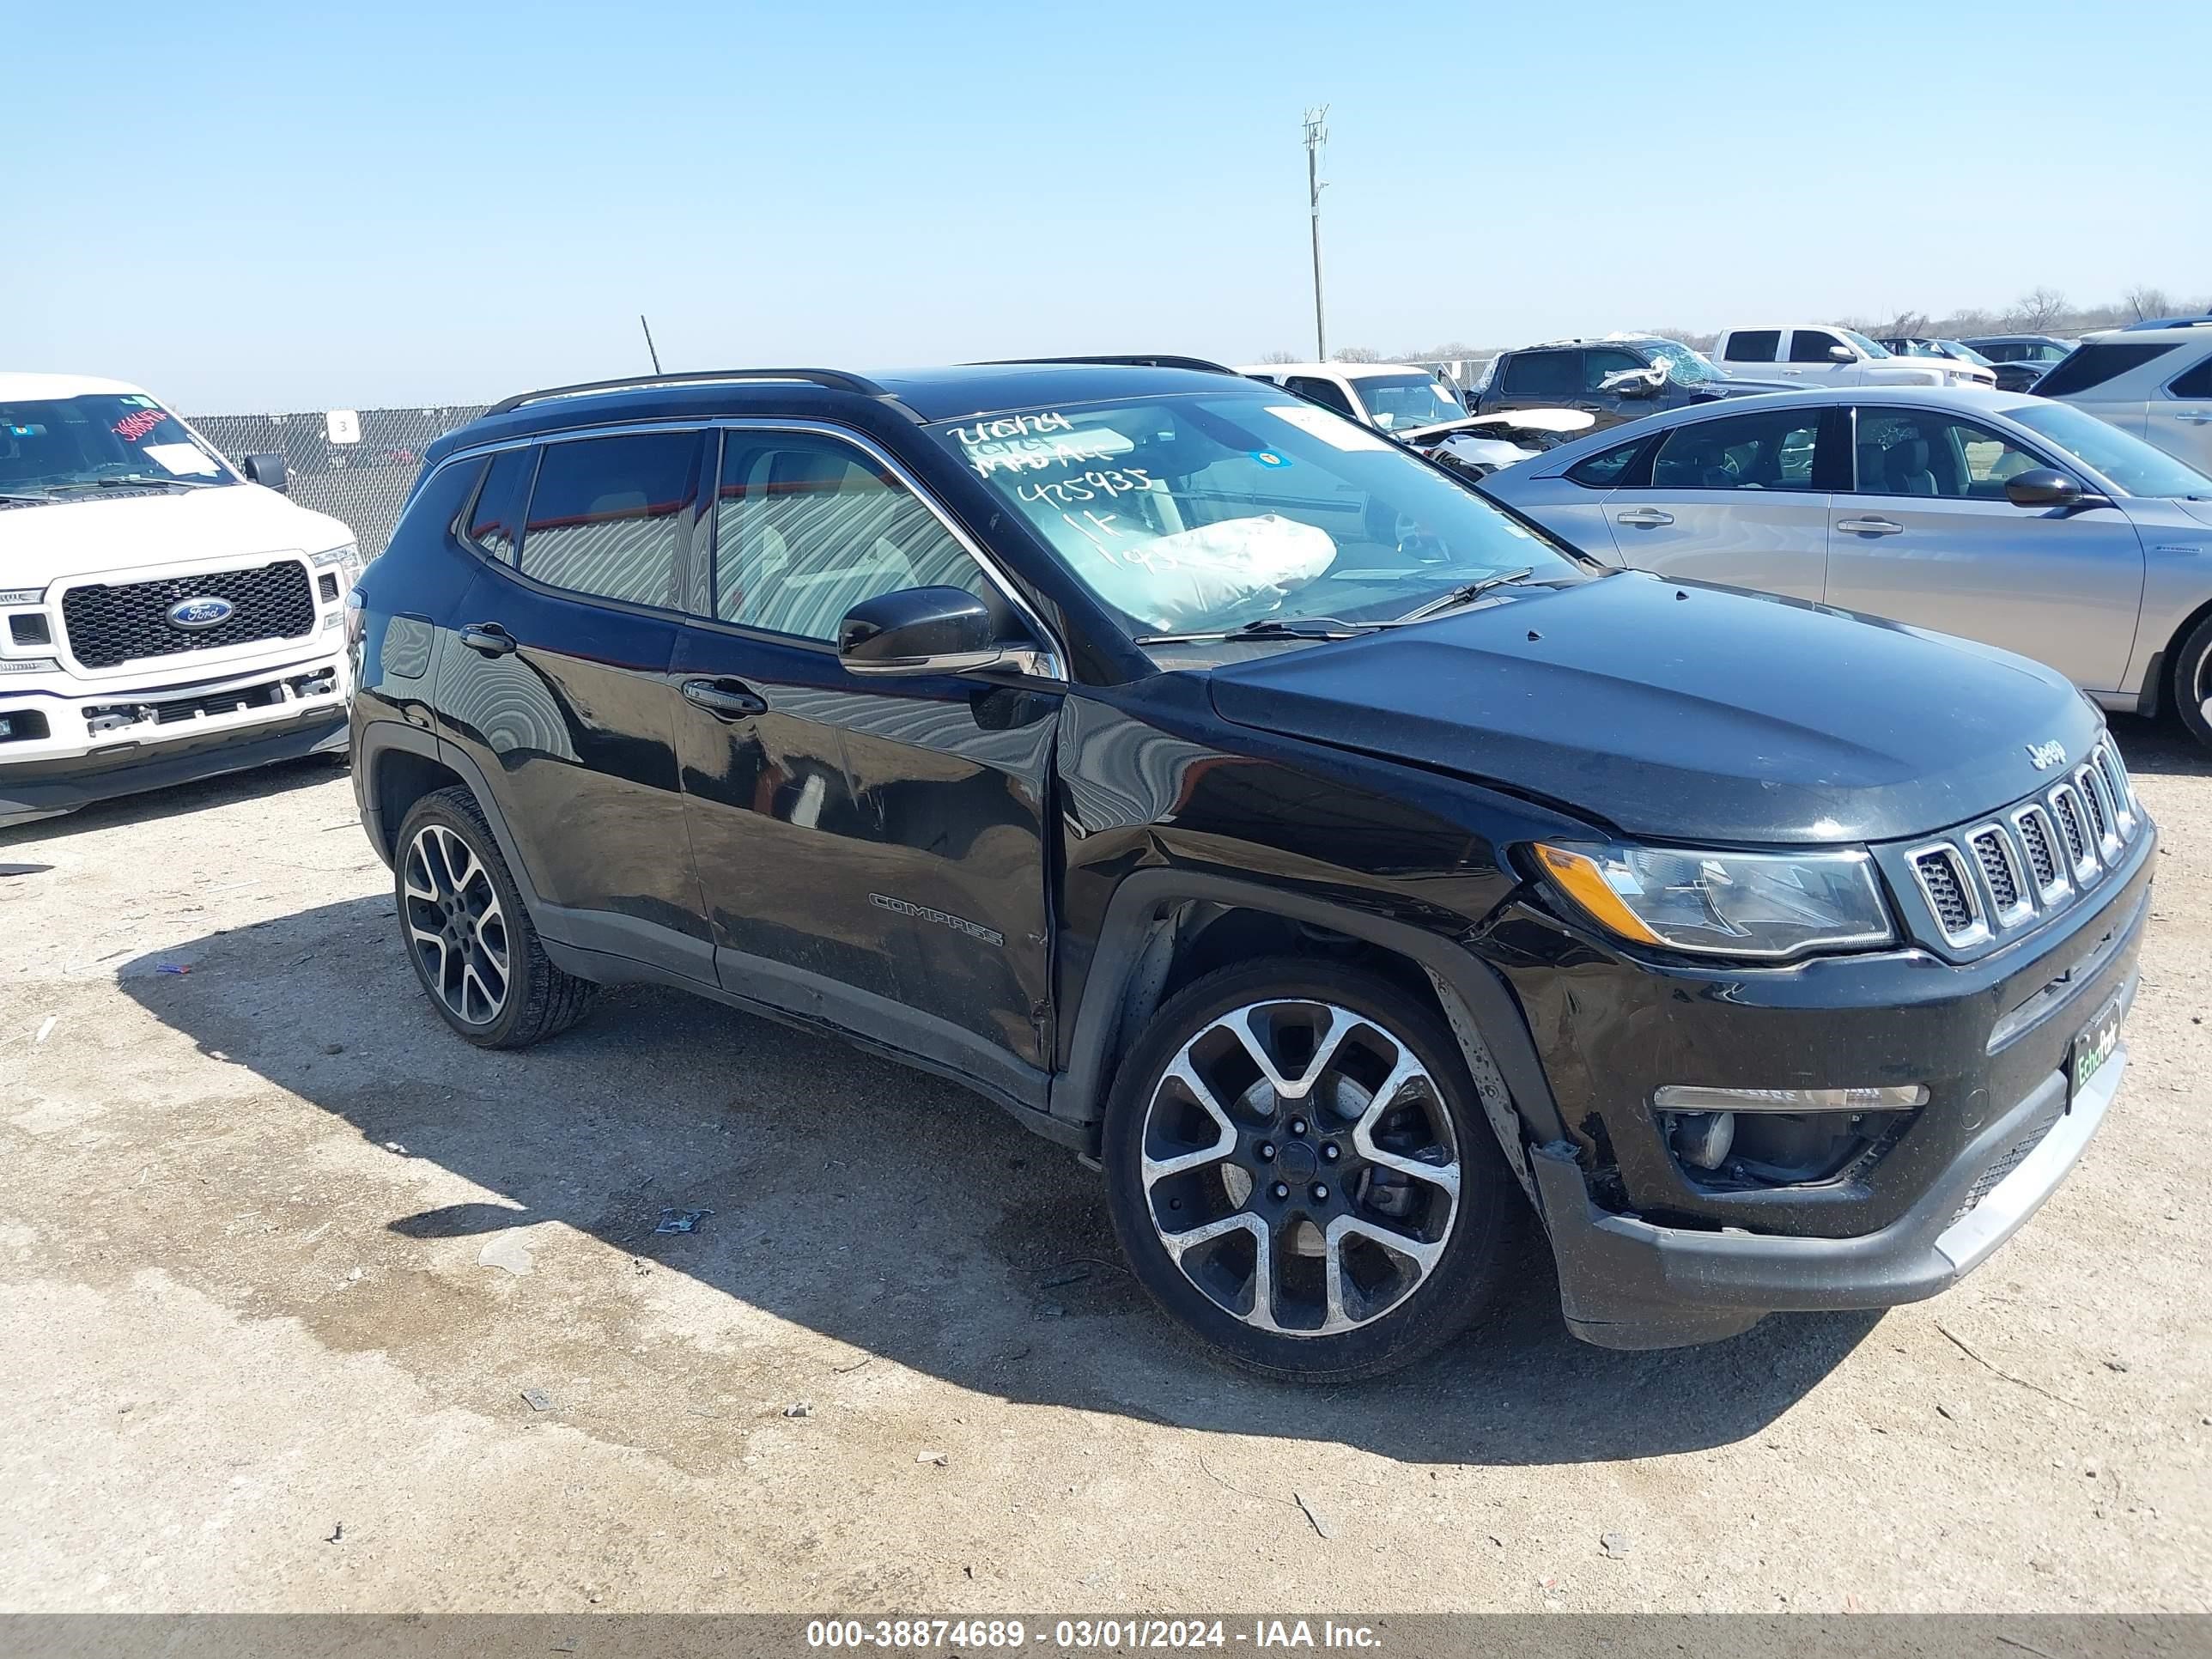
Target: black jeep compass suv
1343, 863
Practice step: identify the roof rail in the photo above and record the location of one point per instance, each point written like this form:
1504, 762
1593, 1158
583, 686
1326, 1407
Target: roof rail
1149, 360
834, 380
2204, 321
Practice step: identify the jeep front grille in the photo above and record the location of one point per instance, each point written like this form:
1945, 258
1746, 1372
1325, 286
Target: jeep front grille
106, 626
1950, 892
1996, 878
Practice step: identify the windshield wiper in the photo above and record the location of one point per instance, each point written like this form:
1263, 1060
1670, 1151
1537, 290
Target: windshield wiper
1270, 627
19, 495
1467, 593
135, 480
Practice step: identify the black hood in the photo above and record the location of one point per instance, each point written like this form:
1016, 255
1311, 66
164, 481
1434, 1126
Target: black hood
1680, 711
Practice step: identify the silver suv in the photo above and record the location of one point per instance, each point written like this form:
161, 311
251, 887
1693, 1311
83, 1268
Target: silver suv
2153, 378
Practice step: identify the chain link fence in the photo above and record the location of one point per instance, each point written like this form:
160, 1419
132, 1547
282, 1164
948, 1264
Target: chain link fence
357, 465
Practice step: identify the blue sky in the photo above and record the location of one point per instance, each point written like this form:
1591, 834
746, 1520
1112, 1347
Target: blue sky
248, 207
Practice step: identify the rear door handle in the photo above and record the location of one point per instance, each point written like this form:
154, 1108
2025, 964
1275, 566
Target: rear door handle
1645, 518
1871, 526
488, 638
726, 700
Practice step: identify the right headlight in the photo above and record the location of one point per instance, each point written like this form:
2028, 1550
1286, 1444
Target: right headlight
1765, 905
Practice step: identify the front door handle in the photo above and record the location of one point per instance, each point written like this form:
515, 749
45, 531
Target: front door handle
2198, 416
488, 638
1645, 518
725, 700
1871, 526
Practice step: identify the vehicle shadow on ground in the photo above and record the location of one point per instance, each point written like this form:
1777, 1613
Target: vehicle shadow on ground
2161, 748
892, 1212
281, 777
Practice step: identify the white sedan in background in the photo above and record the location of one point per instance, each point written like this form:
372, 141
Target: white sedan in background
2012, 519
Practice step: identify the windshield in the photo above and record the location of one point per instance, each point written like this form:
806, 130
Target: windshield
57, 447
1872, 347
1683, 367
1398, 403
2127, 460
1199, 515
1965, 352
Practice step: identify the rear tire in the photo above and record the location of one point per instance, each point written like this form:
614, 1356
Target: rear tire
470, 941
1301, 1173
2192, 682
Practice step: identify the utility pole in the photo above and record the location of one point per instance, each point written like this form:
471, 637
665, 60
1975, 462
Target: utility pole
1316, 135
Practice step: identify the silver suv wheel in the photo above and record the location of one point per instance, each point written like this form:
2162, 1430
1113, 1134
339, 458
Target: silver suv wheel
1299, 1167
455, 925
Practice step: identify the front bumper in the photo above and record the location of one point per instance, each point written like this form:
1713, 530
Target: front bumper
1648, 1258
1627, 1283
86, 744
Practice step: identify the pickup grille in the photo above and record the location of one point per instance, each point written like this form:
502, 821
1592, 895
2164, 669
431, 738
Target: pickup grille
1999, 877
107, 626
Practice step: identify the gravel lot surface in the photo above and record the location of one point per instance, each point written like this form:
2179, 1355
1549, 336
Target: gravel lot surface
304, 1304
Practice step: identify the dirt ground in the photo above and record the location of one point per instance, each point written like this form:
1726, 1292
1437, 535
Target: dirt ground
304, 1304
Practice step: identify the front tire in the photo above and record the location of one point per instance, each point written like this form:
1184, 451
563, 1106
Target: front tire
471, 942
2192, 682
1300, 1171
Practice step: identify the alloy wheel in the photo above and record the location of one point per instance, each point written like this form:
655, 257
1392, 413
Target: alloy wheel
455, 926
1300, 1167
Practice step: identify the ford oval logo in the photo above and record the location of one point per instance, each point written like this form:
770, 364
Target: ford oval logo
201, 610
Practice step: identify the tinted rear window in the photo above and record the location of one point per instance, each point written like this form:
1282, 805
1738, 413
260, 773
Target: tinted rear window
2093, 364
1604, 469
1754, 346
2196, 383
607, 515
1543, 374
491, 525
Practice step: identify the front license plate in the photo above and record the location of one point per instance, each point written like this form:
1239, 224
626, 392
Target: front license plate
2093, 1049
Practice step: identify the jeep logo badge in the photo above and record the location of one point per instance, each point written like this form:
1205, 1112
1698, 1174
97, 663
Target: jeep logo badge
201, 610
2042, 756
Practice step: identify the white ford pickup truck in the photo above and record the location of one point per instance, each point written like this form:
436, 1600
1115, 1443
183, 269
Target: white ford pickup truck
1821, 354
162, 616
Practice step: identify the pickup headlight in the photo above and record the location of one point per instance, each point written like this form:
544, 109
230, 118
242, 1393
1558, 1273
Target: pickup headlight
1766, 905
346, 557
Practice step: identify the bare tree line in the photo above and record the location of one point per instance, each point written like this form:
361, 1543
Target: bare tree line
2039, 311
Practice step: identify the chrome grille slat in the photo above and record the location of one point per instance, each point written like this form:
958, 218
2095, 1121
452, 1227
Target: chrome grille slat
1997, 877
2040, 836
2097, 790
2003, 874
2123, 787
1947, 882
2073, 831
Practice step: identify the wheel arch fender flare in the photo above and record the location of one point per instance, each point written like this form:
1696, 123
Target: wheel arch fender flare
376, 742
1493, 1036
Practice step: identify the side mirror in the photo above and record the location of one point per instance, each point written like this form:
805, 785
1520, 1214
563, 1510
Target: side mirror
1634, 383
2047, 487
922, 630
267, 471
1842, 355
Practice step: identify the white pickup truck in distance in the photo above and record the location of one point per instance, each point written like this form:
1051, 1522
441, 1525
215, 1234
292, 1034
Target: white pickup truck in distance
1821, 354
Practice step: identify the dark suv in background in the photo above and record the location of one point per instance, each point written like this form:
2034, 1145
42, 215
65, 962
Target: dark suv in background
1250, 805
1616, 379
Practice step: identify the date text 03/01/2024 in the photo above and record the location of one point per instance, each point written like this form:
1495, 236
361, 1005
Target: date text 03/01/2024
1078, 1634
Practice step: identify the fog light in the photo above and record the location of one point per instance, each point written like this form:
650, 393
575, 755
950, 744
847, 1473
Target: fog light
1690, 1097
